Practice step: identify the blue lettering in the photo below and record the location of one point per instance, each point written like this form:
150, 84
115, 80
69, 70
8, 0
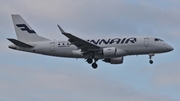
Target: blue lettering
117, 40
23, 27
93, 41
104, 41
113, 41
123, 40
132, 40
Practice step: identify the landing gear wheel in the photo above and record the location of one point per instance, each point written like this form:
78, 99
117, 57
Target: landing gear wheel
89, 60
94, 65
150, 57
151, 61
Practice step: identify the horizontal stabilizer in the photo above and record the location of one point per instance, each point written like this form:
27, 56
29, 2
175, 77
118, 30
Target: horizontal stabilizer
20, 44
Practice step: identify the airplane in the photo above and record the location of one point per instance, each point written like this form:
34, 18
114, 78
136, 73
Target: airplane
112, 50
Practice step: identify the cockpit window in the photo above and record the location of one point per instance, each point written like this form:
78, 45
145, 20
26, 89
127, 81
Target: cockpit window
157, 39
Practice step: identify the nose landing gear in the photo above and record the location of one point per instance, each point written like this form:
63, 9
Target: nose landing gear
150, 57
151, 61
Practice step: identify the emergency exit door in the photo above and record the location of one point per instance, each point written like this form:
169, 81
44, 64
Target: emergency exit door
52, 46
146, 42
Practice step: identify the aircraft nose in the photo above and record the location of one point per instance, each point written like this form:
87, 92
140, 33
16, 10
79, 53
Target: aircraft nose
170, 48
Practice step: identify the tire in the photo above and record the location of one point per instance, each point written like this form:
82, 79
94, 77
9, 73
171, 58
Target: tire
151, 61
89, 60
94, 65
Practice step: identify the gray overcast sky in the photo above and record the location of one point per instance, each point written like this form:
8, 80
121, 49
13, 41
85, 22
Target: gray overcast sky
27, 77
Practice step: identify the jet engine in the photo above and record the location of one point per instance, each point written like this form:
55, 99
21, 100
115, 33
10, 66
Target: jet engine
76, 53
118, 60
112, 52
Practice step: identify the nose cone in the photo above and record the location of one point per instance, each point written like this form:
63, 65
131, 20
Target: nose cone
170, 48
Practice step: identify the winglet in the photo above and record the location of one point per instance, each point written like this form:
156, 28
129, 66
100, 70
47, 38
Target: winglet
62, 31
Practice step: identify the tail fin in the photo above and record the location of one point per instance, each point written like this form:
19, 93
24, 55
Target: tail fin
24, 32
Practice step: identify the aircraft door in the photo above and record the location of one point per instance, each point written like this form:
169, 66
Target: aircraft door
146, 42
52, 46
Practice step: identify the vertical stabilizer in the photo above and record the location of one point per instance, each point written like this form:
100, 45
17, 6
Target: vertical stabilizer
24, 32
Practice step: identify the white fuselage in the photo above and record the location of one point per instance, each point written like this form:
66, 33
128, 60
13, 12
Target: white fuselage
129, 45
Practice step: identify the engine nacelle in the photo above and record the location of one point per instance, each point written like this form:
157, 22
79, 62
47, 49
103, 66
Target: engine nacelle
113, 52
76, 53
118, 60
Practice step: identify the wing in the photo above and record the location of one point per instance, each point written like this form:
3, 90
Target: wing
80, 43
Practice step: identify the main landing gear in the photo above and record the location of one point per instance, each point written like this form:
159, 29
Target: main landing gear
150, 57
94, 65
90, 61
